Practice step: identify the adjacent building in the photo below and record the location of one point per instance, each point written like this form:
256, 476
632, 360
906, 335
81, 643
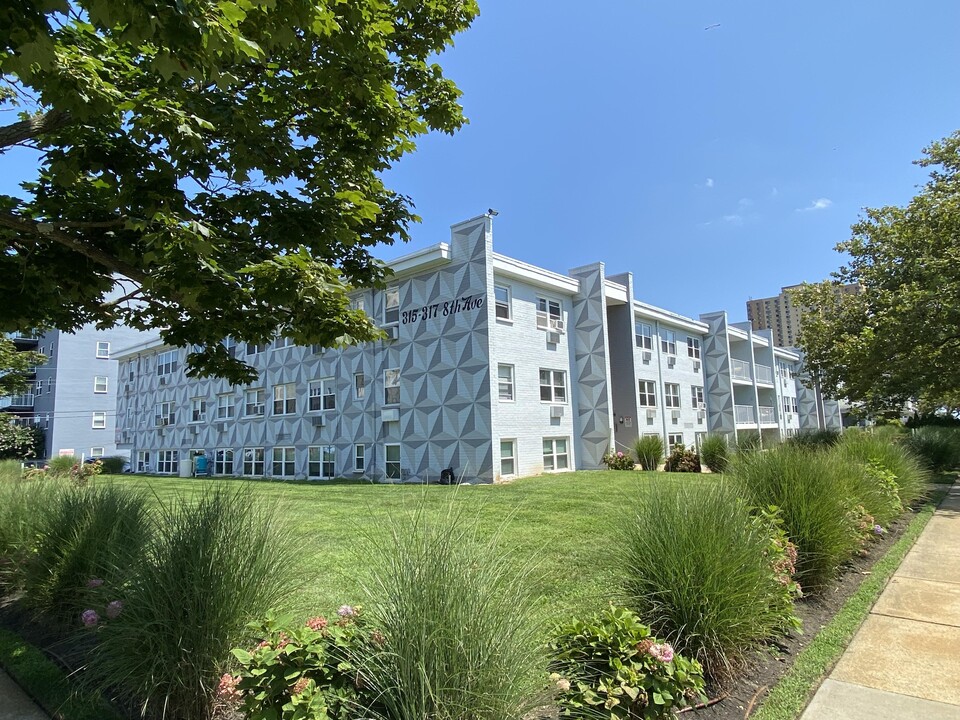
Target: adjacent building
779, 315
492, 368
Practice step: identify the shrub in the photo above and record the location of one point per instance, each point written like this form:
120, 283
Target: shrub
649, 450
113, 465
612, 665
303, 672
217, 562
883, 451
937, 447
85, 534
59, 467
715, 453
682, 460
619, 460
463, 638
815, 439
815, 495
697, 569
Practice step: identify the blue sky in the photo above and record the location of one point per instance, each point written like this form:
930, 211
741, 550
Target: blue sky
715, 164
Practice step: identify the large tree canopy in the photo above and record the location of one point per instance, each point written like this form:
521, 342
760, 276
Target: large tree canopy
899, 338
212, 168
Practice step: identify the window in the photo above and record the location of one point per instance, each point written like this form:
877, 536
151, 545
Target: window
225, 406
553, 386
358, 304
322, 461
168, 462
165, 414
391, 306
321, 395
392, 455
232, 348
253, 461
696, 397
284, 399
648, 393
505, 381
359, 460
283, 342
283, 461
508, 457
391, 386
166, 362
223, 461
256, 348
794, 405
359, 386
668, 342
254, 402
644, 335
39, 389
555, 455
198, 410
786, 405
103, 350
96, 452
549, 314
501, 296
674, 439
693, 347
143, 461
671, 395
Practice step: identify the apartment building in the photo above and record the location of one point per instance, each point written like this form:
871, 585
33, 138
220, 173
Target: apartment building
779, 315
492, 369
73, 395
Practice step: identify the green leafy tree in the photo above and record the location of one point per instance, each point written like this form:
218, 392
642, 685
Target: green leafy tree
17, 441
214, 167
899, 338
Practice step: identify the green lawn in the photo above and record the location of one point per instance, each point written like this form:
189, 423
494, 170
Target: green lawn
565, 524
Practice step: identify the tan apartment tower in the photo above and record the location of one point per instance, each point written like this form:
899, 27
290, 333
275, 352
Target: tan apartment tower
780, 315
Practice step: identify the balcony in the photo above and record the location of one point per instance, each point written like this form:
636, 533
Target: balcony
23, 341
744, 415
16, 401
767, 416
740, 370
764, 374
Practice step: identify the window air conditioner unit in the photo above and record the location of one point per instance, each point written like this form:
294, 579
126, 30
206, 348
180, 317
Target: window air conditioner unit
789, 418
392, 332
675, 415
701, 406
195, 430
671, 360
317, 420
646, 355
221, 427
651, 412
390, 415
696, 366
553, 338
163, 381
556, 325
556, 411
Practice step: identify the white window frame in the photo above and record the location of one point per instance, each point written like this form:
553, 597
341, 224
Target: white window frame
505, 382
164, 411
389, 466
322, 462
668, 341
672, 441
226, 406
549, 314
102, 352
283, 342
671, 395
391, 305
284, 462
503, 305
693, 347
198, 410
324, 391
256, 348
643, 334
391, 386
168, 462
167, 362
257, 402
647, 391
359, 458
549, 386
697, 397
552, 456
96, 452
359, 386
510, 457
223, 461
285, 394
253, 460
143, 461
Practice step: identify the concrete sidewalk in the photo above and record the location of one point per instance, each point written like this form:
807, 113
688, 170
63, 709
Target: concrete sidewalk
15, 704
904, 661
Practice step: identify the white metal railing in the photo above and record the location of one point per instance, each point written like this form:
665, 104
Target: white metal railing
767, 416
16, 400
764, 374
744, 415
740, 370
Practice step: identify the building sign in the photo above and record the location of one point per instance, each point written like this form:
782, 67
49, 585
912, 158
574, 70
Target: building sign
68, 452
442, 309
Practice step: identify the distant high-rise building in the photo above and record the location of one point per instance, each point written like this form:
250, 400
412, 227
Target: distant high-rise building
780, 315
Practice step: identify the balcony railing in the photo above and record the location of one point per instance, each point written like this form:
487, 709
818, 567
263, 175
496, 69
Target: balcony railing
745, 415
740, 370
767, 416
764, 374
16, 400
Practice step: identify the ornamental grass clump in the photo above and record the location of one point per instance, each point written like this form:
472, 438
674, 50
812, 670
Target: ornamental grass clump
217, 562
937, 447
816, 497
24, 505
698, 570
462, 633
886, 451
715, 453
649, 449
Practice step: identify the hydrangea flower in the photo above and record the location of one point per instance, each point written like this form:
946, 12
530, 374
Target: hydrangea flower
878, 530
90, 618
114, 608
317, 623
94, 582
563, 685
346, 611
227, 690
662, 652
300, 686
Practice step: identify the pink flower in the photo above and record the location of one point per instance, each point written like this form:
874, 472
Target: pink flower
90, 618
346, 611
563, 684
662, 652
317, 623
227, 690
94, 582
619, 453
300, 686
878, 530
114, 608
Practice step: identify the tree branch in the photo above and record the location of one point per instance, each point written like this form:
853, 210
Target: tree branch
30, 128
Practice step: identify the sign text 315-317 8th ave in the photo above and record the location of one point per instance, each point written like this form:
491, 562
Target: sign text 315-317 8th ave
441, 309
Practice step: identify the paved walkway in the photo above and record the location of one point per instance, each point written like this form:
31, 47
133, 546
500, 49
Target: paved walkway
15, 704
904, 662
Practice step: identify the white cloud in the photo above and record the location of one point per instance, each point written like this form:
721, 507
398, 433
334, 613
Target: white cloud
709, 182
818, 204
733, 219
